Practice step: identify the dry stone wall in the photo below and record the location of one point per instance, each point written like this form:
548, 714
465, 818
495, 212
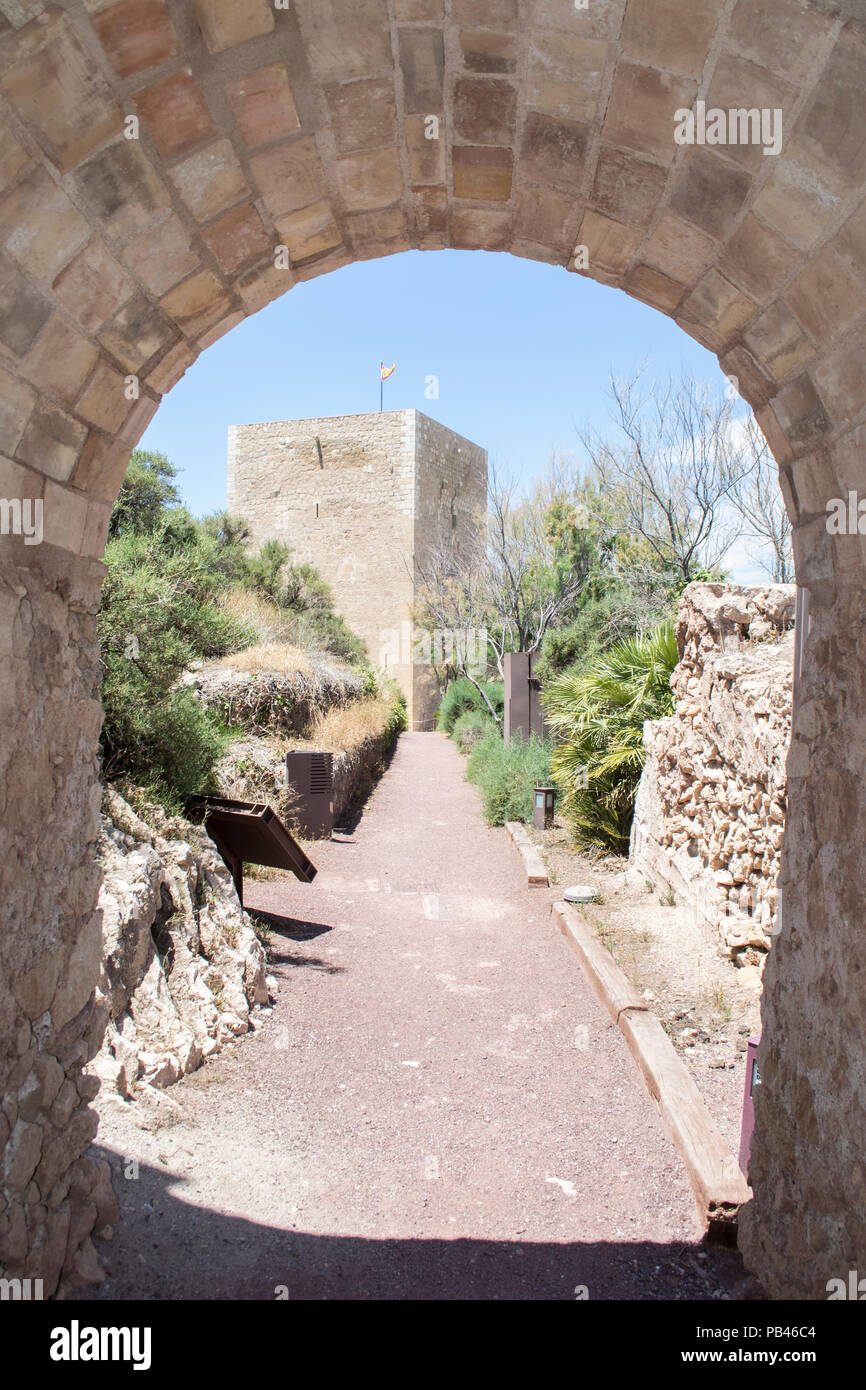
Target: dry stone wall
711, 805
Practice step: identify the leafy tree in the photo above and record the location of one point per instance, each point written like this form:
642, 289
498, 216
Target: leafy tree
146, 492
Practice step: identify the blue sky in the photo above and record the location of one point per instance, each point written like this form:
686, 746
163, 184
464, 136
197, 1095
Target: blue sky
522, 352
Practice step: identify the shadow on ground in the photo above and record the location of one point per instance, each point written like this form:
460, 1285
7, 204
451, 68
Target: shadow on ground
167, 1249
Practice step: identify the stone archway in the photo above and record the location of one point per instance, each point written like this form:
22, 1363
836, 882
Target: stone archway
349, 129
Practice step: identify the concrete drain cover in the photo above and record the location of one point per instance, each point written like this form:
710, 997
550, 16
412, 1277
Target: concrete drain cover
580, 893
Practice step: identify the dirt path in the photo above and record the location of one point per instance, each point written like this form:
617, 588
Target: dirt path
435, 1108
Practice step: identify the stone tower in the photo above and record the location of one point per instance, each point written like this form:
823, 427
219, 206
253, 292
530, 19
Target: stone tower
364, 498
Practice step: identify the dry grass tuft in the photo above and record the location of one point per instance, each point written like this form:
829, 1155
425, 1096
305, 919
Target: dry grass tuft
271, 656
344, 729
269, 622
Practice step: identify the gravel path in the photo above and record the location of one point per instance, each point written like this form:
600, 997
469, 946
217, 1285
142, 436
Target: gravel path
437, 1107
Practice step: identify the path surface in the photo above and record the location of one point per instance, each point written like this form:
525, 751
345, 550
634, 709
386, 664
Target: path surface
436, 1108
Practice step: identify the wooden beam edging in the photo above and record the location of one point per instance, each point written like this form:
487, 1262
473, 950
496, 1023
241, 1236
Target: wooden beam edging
713, 1172
536, 869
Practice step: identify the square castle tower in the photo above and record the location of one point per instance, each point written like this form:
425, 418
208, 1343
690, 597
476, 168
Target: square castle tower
364, 498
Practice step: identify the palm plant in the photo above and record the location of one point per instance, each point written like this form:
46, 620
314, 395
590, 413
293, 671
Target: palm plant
597, 715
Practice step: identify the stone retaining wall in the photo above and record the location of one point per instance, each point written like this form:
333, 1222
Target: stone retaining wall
712, 800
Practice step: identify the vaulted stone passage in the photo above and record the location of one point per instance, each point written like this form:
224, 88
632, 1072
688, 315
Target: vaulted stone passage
167, 169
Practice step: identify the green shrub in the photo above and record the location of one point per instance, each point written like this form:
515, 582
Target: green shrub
164, 607
462, 695
597, 715
470, 727
397, 721
506, 773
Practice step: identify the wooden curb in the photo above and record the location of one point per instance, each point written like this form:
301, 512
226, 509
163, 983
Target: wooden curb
713, 1172
536, 870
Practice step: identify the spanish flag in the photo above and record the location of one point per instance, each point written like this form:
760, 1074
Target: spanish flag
385, 372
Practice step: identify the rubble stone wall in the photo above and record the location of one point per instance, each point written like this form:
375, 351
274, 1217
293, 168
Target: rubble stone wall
711, 805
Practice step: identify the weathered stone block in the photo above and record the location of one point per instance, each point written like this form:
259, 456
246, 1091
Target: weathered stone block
553, 150
640, 113
778, 341
481, 229
831, 128
370, 180
489, 12
709, 193
123, 189
654, 288
136, 333
602, 19
426, 157
800, 412
162, 255
196, 303
431, 216
757, 259
826, 297
226, 23
262, 285
363, 114
482, 172
379, 233
718, 307
56, 92
210, 180
238, 237
627, 187
545, 214
40, 227
103, 401
484, 51
779, 35
609, 244
676, 248
52, 443
797, 201
346, 38
93, 286
23, 311
310, 232
485, 111
289, 176
60, 361
654, 33
840, 377
740, 85
136, 34
101, 467
422, 61
174, 113
171, 367
753, 383
16, 404
13, 158
565, 75
263, 104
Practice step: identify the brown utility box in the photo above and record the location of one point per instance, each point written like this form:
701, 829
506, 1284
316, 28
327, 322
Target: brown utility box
523, 713
311, 775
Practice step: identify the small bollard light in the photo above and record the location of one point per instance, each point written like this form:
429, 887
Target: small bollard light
542, 812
